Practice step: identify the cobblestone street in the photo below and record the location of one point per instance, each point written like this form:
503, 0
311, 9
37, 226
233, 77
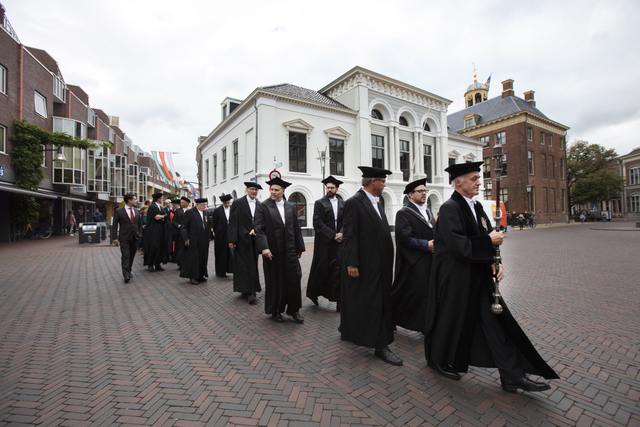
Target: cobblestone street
80, 347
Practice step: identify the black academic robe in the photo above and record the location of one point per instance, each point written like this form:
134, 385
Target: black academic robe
155, 240
223, 255
168, 234
365, 314
246, 278
282, 274
413, 268
461, 271
324, 276
176, 223
195, 256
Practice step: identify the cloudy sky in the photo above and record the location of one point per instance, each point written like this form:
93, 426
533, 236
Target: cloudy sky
164, 66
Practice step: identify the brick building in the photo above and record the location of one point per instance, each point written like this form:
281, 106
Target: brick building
630, 165
32, 87
534, 161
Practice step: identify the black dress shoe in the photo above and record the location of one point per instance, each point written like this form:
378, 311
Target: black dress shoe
126, 279
388, 356
277, 317
523, 383
159, 268
202, 279
251, 298
296, 317
151, 268
314, 300
193, 281
444, 370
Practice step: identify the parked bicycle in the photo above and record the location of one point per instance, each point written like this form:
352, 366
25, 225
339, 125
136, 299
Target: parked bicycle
43, 231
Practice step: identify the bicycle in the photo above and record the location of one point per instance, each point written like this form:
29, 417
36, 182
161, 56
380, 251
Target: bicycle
44, 231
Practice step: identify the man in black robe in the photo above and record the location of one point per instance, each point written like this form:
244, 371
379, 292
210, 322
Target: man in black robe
176, 223
241, 236
173, 232
324, 276
367, 269
279, 239
461, 330
196, 244
223, 253
414, 253
155, 240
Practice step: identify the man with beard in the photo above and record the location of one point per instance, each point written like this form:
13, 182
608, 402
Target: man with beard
176, 222
127, 231
414, 247
196, 244
241, 236
222, 251
279, 239
367, 269
324, 276
155, 242
461, 330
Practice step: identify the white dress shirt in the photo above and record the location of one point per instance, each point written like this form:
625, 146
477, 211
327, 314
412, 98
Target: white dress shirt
252, 206
423, 210
471, 203
374, 201
334, 205
227, 211
280, 206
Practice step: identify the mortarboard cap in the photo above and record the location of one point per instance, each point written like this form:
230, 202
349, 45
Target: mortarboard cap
460, 169
251, 184
412, 185
186, 199
201, 200
280, 182
156, 196
371, 172
225, 197
174, 201
331, 180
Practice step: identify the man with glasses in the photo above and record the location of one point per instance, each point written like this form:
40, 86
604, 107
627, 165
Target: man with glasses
367, 268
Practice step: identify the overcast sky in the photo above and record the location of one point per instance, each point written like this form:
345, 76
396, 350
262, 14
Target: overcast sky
164, 66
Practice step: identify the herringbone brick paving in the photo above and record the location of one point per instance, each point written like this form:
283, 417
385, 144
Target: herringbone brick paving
80, 347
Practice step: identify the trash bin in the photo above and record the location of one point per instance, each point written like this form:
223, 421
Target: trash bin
89, 232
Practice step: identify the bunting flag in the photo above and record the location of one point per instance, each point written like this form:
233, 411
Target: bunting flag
164, 161
192, 190
488, 83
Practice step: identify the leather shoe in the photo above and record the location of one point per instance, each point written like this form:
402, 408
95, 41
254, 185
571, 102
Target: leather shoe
159, 268
126, 279
314, 300
388, 356
444, 370
151, 268
277, 317
193, 281
251, 298
296, 317
524, 383
202, 279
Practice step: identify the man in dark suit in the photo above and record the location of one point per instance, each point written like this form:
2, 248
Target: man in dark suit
176, 223
324, 276
279, 239
196, 244
219, 223
127, 231
367, 269
155, 242
414, 253
241, 237
461, 330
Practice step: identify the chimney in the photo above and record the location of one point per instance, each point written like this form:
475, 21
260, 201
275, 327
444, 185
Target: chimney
507, 88
528, 96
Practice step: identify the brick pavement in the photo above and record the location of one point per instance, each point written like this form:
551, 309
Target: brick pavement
79, 347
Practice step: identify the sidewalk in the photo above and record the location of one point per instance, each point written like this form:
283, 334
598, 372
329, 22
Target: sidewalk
80, 347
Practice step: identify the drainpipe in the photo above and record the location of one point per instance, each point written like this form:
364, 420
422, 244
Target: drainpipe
255, 168
20, 89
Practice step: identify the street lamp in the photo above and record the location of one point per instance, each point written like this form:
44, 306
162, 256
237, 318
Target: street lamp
496, 307
59, 158
528, 197
322, 156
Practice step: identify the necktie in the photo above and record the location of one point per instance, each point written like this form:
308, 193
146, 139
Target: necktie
131, 214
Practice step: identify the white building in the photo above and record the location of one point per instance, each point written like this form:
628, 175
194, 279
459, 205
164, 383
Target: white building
361, 118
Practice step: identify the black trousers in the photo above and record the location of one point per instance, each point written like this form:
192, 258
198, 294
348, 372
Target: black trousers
504, 352
128, 252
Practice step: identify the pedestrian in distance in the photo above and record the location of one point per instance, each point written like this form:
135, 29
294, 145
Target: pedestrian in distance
127, 231
325, 275
97, 216
71, 222
366, 317
461, 330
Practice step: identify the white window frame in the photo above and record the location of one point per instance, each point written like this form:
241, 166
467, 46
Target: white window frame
3, 139
41, 101
3, 80
59, 88
634, 176
500, 138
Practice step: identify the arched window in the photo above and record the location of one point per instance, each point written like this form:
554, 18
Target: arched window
213, 202
478, 98
403, 121
300, 203
405, 200
234, 195
426, 127
375, 114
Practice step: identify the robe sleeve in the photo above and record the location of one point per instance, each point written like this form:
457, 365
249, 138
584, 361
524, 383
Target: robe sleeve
186, 222
318, 224
351, 257
300, 247
232, 229
261, 237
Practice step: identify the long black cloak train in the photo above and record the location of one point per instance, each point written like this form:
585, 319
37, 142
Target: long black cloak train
195, 256
246, 278
223, 254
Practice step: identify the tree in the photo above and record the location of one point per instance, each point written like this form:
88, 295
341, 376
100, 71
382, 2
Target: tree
590, 177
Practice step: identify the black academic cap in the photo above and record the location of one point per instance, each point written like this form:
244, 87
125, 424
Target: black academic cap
251, 184
156, 196
175, 201
201, 200
460, 169
371, 172
225, 197
186, 199
280, 182
331, 180
412, 185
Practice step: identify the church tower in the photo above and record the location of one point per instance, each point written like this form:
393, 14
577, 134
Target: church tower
476, 92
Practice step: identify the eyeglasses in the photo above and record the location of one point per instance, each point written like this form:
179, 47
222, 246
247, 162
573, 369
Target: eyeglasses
421, 191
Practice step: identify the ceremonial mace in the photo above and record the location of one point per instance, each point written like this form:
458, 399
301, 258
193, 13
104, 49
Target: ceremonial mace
496, 308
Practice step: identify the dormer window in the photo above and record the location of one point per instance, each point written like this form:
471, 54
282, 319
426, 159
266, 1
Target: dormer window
470, 120
375, 114
468, 123
403, 121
